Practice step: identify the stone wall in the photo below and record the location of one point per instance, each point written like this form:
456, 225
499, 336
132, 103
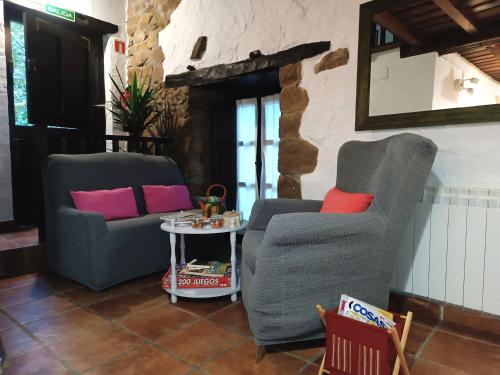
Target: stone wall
296, 156
190, 107
145, 19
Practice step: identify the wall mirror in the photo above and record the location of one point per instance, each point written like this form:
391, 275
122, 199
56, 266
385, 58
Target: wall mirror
428, 62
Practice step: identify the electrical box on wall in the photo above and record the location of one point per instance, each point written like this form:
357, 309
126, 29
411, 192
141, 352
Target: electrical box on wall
119, 46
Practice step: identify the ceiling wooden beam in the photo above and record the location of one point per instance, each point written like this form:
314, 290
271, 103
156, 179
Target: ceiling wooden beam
452, 41
457, 15
395, 26
495, 50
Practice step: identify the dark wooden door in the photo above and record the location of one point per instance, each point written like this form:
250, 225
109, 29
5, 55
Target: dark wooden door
64, 82
62, 76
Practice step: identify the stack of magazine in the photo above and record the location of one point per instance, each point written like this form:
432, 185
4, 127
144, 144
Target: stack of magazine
211, 274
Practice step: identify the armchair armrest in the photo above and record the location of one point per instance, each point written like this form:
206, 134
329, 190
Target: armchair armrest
264, 209
316, 228
311, 258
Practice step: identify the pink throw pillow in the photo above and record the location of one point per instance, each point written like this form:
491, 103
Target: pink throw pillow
162, 198
112, 204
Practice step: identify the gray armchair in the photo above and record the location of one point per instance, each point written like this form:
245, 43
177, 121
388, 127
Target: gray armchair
295, 257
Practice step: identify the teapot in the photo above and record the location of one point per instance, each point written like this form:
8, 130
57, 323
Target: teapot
212, 204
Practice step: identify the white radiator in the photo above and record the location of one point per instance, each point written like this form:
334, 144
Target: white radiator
451, 250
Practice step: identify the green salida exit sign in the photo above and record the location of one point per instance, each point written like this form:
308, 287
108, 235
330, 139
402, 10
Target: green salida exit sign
66, 14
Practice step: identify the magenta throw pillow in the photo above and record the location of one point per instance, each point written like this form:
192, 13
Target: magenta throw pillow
112, 204
162, 198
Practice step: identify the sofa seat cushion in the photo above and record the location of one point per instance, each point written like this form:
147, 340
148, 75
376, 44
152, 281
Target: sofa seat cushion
140, 229
251, 246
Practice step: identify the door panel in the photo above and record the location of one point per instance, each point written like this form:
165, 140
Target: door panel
64, 77
59, 75
76, 103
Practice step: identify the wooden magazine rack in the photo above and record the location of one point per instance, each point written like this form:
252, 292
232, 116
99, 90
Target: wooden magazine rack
354, 347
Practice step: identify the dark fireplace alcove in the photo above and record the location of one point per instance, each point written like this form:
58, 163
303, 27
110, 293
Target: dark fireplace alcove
208, 150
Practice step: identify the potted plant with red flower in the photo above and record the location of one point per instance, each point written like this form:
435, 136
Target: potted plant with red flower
133, 106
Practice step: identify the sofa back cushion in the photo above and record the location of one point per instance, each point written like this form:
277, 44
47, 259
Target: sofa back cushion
161, 198
105, 171
112, 204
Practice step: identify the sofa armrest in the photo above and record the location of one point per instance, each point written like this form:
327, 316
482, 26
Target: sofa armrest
264, 209
89, 221
80, 230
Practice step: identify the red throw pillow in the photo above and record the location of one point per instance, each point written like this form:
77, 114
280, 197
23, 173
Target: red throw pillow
340, 202
112, 204
162, 198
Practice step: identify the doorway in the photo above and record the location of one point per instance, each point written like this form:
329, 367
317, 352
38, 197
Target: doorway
55, 78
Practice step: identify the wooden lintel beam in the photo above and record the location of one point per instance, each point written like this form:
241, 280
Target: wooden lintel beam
221, 72
398, 28
457, 15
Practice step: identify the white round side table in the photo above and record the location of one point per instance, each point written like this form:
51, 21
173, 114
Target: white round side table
201, 292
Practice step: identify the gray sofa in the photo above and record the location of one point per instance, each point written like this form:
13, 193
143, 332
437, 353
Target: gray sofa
295, 257
80, 244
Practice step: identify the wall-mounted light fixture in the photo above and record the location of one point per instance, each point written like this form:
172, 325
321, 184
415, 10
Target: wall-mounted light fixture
460, 84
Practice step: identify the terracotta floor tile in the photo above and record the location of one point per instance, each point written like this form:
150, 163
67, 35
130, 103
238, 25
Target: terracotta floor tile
141, 282
6, 322
308, 350
311, 370
158, 321
24, 293
42, 308
70, 324
241, 360
86, 296
200, 342
418, 334
17, 342
118, 307
25, 241
13, 282
203, 306
424, 367
28, 232
38, 362
233, 318
146, 360
463, 353
94, 348
154, 290
7, 245
59, 283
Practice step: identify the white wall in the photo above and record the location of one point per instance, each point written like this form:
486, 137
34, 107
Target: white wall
425, 82
113, 11
469, 155
452, 67
401, 85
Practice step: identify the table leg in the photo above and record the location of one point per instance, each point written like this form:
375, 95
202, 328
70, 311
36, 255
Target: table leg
183, 250
173, 279
234, 296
